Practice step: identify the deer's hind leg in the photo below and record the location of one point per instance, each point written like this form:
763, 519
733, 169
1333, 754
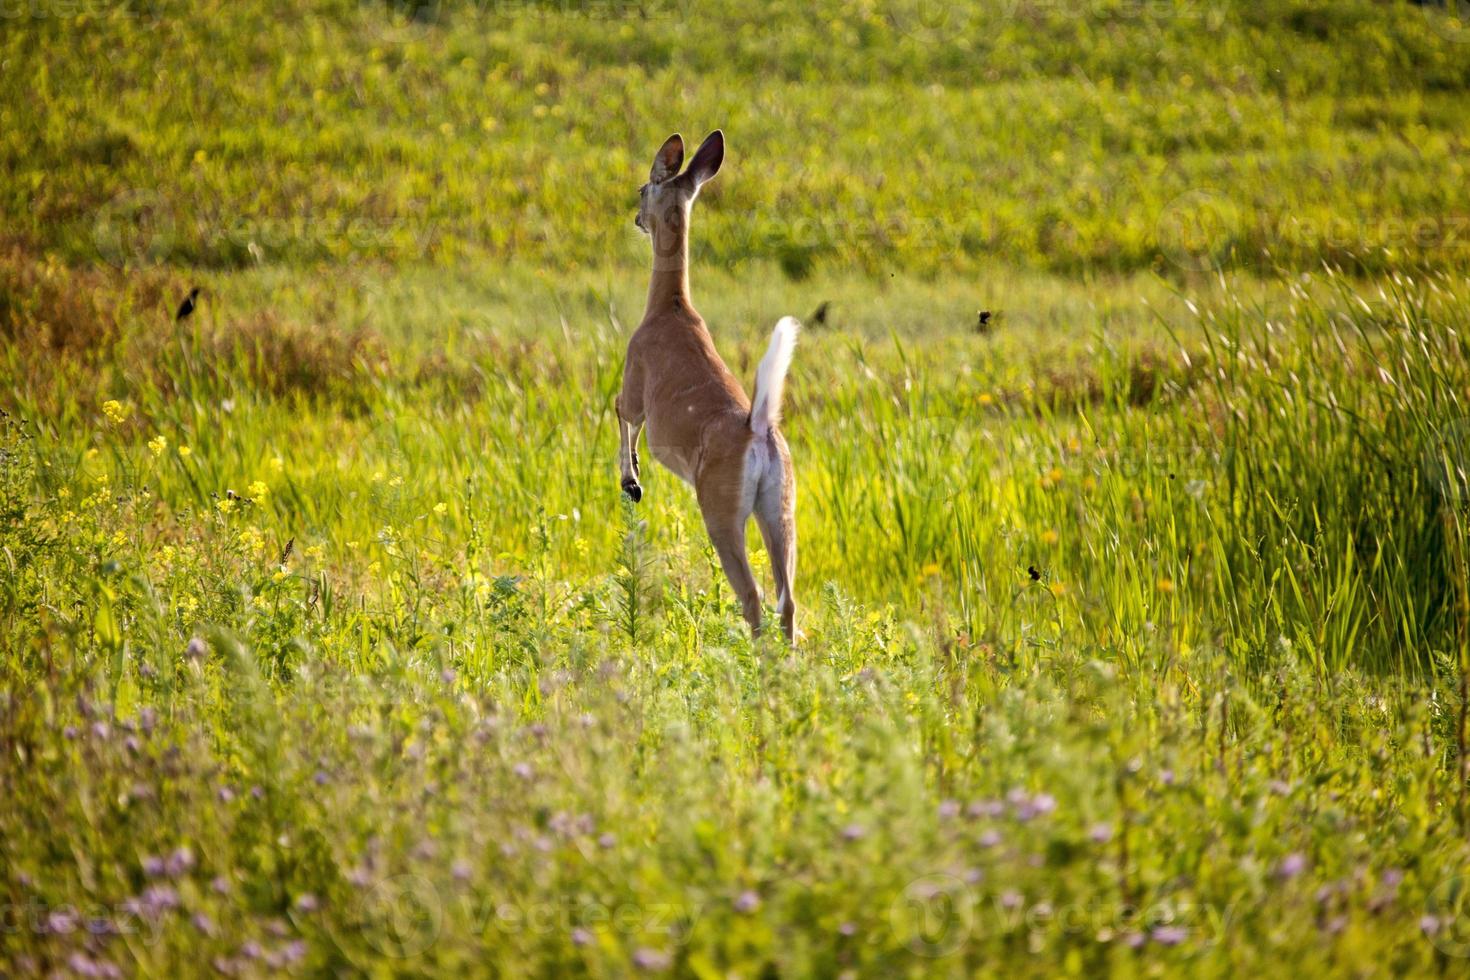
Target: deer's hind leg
725, 499
775, 514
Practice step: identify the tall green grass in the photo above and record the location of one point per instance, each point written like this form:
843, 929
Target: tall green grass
1137, 628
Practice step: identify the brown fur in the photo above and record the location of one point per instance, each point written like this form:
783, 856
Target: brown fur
698, 416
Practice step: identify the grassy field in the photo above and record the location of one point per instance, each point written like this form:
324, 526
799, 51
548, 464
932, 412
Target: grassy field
1137, 627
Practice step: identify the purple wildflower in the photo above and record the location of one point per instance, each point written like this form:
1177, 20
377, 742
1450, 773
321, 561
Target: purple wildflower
985, 808
949, 809
100, 926
1429, 924
203, 923
523, 770
179, 862
196, 650
153, 866
321, 778
989, 838
652, 960
581, 937
220, 884
447, 675
225, 794
1169, 935
61, 922
1291, 866
1010, 899
1100, 833
747, 902
84, 966
158, 899
848, 929
461, 870
853, 831
607, 841
307, 902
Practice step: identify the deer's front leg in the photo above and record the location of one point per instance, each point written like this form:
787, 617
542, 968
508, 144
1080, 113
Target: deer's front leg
628, 431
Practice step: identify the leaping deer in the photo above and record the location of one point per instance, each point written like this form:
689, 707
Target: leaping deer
700, 424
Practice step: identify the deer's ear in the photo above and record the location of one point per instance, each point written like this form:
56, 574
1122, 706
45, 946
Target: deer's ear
668, 160
707, 158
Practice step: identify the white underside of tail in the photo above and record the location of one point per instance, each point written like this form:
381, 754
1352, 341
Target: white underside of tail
770, 377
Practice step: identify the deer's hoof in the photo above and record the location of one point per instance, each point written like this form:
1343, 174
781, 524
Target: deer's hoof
633, 490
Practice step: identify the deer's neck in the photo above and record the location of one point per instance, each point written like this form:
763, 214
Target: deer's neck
668, 286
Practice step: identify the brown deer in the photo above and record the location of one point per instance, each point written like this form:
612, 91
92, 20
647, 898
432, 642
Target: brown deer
700, 424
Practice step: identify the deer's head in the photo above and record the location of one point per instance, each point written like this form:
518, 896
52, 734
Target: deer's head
664, 202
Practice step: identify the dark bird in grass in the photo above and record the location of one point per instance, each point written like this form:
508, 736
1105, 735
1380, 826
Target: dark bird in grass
186, 308
982, 322
819, 316
1035, 575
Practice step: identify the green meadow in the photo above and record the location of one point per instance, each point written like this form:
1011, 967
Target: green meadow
1137, 618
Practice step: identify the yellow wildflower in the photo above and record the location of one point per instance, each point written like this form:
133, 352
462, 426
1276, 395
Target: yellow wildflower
987, 399
157, 445
116, 411
226, 505
1050, 536
1166, 584
441, 508
184, 452
258, 490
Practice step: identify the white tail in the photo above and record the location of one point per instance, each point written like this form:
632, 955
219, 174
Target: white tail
770, 377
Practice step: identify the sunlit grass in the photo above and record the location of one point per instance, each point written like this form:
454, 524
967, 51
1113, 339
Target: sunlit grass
1136, 624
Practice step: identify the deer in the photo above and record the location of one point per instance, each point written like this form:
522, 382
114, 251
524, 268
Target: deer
701, 426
